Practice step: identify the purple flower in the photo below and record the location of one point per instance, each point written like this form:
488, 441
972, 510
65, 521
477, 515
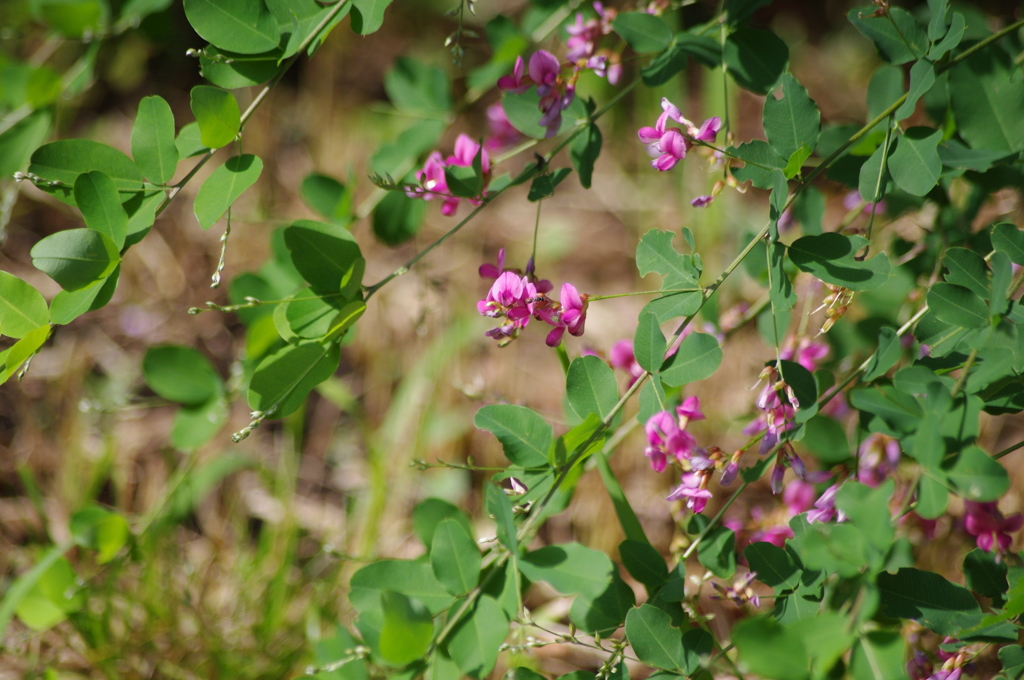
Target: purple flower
777, 536
989, 527
490, 271
465, 153
515, 83
702, 201
693, 488
825, 507
670, 144
432, 180
878, 458
621, 356
502, 133
510, 297
571, 314
544, 70
689, 410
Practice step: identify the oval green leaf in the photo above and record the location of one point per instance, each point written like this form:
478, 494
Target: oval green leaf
98, 199
153, 145
224, 186
180, 374
524, 435
699, 356
284, 379
76, 258
217, 115
591, 387
22, 307
236, 25
454, 557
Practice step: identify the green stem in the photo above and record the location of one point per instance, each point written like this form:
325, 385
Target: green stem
963, 373
1008, 450
594, 298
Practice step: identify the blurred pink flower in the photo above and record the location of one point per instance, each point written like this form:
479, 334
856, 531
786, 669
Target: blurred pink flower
989, 527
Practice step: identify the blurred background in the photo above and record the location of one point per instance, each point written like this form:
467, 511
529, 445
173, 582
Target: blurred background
242, 551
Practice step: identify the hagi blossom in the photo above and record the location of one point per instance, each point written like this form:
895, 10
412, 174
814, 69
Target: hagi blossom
694, 488
667, 435
877, 459
776, 414
670, 144
556, 93
807, 352
621, 356
512, 298
992, 531
490, 271
432, 179
569, 314
825, 509
852, 199
739, 592
502, 133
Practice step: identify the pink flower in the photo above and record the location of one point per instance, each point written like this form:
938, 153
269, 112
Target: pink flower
490, 271
777, 536
671, 144
689, 410
544, 70
825, 507
502, 133
878, 458
466, 150
621, 356
432, 180
807, 353
853, 199
515, 83
570, 315
693, 488
702, 201
798, 497
510, 297
989, 527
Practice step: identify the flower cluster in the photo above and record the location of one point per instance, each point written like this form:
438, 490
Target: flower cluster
877, 459
556, 92
517, 299
670, 144
740, 592
432, 179
776, 413
954, 664
991, 530
584, 36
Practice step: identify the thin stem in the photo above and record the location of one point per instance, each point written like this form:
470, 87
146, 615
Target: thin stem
536, 230
593, 298
714, 521
878, 182
1008, 450
963, 373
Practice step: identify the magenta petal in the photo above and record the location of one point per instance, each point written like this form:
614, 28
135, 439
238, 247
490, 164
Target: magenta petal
702, 201
649, 135
544, 67
709, 130
555, 336
465, 151
670, 108
665, 162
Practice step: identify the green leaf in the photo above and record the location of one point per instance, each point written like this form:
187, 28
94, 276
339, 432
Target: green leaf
825, 638
584, 150
827, 440
868, 510
929, 599
922, 78
952, 38
795, 164
73, 18
153, 145
770, 650
284, 379
655, 253
13, 357
717, 552
67, 306
224, 186
235, 25
878, 654
756, 59
899, 411
100, 203
455, 558
897, 37
967, 269
76, 258
774, 566
604, 614
21, 139
932, 497
543, 185
51, 598
984, 575
699, 356
1012, 658
397, 218
327, 196
368, 15
429, 513
233, 70
831, 258
475, 640
524, 113
309, 316
623, 510
412, 578
656, 642
886, 356
415, 87
759, 161
1008, 239
958, 306
499, 505
874, 176
791, 121
649, 343
22, 307
985, 96
181, 375
64, 160
196, 425
570, 568
99, 529
189, 141
915, 164
217, 115
662, 68
977, 476
642, 31
524, 435
407, 631
590, 387
326, 255
1002, 276
644, 563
